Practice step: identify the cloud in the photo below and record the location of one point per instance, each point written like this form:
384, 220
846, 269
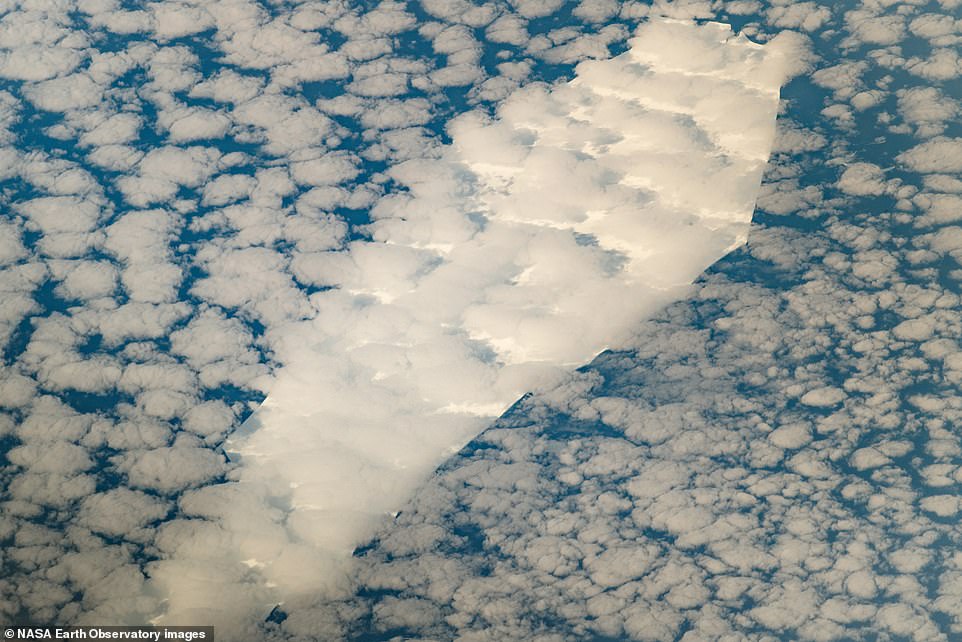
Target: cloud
845, 78
863, 179
171, 469
808, 16
766, 437
926, 108
766, 442
938, 155
525, 248
121, 512
60, 214
943, 64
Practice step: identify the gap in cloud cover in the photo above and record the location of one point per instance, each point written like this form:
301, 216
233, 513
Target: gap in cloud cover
536, 239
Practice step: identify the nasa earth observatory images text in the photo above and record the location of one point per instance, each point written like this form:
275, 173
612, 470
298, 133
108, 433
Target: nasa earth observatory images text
481, 321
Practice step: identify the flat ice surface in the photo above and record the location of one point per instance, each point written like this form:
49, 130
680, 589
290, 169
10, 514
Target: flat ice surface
540, 238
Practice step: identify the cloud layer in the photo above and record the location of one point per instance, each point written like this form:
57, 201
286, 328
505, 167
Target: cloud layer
775, 457
538, 238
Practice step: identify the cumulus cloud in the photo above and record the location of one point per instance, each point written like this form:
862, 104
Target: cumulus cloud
760, 464
863, 179
537, 239
205, 197
939, 155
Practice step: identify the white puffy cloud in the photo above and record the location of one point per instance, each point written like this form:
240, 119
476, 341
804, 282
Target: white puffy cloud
58, 456
76, 91
536, 8
865, 26
253, 277
34, 62
934, 27
176, 20
943, 64
938, 155
808, 16
228, 86
863, 179
845, 78
54, 215
121, 512
927, 108
210, 419
140, 239
330, 169
84, 279
138, 320
285, 124
191, 124
171, 469
509, 28
114, 130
